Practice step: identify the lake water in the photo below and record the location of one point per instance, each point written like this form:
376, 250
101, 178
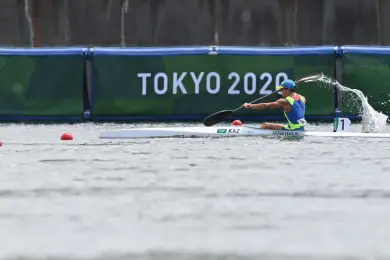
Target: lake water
234, 198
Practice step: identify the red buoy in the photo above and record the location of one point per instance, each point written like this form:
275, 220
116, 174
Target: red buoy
1, 143
237, 123
66, 137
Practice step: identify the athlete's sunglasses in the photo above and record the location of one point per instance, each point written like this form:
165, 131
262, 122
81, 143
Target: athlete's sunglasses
280, 88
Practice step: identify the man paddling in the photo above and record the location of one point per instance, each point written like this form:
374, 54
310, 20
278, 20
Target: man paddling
293, 105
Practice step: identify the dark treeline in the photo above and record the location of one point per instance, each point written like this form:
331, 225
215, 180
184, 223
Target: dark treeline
194, 22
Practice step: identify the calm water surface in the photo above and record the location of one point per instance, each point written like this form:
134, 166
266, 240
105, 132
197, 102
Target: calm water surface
236, 198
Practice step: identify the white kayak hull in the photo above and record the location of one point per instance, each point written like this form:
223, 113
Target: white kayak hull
228, 131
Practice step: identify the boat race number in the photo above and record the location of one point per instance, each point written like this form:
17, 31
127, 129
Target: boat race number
251, 82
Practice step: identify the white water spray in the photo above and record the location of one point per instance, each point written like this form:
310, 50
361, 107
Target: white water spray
372, 121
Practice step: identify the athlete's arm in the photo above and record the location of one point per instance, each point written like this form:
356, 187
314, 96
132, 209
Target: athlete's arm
279, 104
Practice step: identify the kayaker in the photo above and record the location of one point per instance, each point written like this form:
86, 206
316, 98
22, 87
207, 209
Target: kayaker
292, 104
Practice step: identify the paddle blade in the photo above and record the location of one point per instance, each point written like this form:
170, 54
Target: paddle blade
217, 117
310, 78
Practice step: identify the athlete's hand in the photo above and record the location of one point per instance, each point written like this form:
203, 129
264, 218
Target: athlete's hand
246, 105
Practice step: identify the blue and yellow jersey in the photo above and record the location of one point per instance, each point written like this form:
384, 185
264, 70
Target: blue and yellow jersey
296, 117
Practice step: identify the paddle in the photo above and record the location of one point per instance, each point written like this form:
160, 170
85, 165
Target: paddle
310, 78
225, 114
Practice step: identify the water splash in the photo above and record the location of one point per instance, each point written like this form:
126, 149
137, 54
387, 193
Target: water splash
372, 120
